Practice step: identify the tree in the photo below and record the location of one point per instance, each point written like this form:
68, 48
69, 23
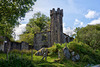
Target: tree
39, 23
27, 38
90, 35
10, 12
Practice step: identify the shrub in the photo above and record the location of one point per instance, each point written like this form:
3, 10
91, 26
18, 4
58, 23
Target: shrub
86, 58
84, 49
55, 48
52, 50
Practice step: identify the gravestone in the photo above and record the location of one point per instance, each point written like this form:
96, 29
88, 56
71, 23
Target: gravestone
66, 53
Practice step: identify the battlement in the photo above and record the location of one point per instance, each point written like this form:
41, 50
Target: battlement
59, 11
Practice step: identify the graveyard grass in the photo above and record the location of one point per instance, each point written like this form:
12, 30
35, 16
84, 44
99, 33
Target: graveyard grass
49, 63
87, 55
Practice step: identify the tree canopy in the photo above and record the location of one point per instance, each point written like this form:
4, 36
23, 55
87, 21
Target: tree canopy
10, 12
89, 35
39, 23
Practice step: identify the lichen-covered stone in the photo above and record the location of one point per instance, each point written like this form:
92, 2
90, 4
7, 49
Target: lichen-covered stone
75, 57
67, 53
73, 53
41, 52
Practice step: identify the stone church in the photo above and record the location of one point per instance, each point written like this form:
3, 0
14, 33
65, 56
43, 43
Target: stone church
55, 35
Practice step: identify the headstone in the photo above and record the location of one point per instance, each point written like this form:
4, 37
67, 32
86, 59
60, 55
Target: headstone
73, 58
73, 53
66, 53
76, 57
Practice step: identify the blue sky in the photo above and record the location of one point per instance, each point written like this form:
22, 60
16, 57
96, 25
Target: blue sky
77, 13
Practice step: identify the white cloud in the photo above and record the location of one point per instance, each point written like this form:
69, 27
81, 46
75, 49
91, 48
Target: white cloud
19, 30
78, 23
91, 14
94, 22
69, 31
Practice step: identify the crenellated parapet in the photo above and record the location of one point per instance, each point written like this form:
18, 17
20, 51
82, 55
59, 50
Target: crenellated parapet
58, 12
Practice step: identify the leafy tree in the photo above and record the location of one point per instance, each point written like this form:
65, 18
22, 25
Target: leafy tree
27, 38
89, 35
10, 12
39, 23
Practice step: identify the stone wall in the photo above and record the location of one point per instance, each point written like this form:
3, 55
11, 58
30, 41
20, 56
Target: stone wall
55, 35
15, 45
42, 40
24, 45
67, 38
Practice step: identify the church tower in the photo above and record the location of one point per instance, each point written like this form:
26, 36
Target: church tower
56, 26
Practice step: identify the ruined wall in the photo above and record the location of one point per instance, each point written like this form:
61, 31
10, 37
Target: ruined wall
15, 45
19, 46
67, 38
42, 40
24, 45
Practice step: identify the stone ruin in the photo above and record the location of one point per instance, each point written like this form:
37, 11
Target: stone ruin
43, 39
9, 45
55, 35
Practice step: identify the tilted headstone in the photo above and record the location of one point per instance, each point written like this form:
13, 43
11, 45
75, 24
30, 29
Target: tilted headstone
66, 53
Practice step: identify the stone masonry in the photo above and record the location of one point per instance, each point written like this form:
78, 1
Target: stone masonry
55, 35
43, 39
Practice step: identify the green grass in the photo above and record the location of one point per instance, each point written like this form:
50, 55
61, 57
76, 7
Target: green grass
2, 56
49, 63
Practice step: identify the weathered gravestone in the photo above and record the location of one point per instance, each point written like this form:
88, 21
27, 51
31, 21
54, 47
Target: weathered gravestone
75, 57
66, 53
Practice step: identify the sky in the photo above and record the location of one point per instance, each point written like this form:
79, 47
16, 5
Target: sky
76, 13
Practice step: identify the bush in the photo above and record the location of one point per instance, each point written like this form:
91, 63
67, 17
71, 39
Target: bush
86, 58
84, 49
52, 50
89, 35
55, 48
